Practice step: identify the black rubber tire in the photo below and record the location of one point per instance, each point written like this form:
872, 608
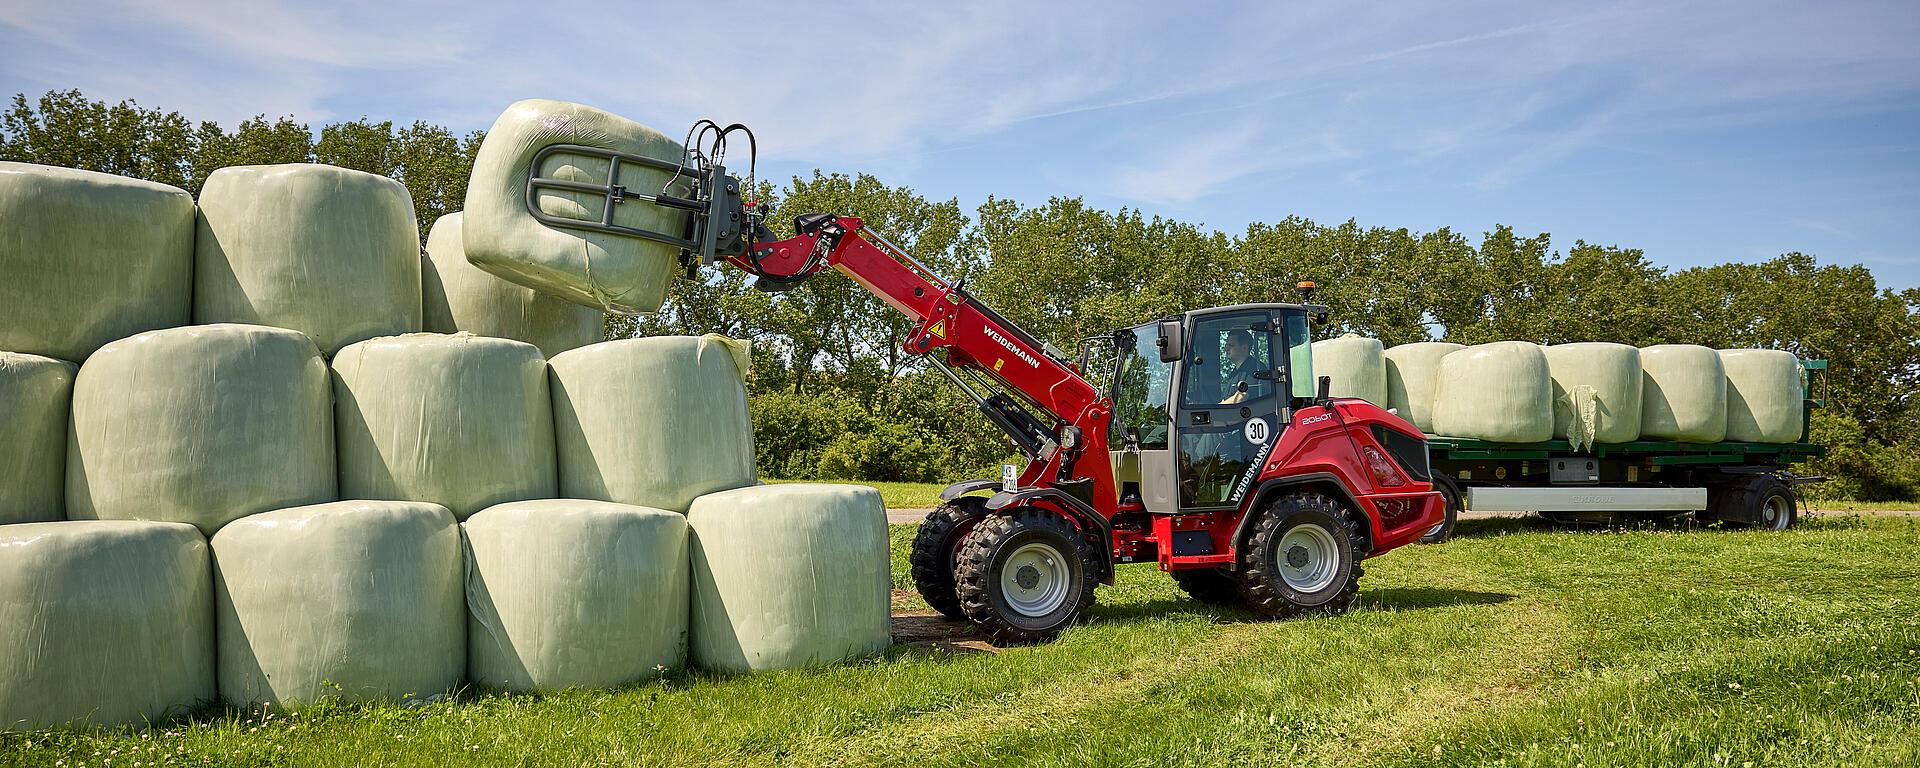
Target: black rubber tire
1212, 586
1455, 505
936, 549
1262, 586
984, 554
1749, 498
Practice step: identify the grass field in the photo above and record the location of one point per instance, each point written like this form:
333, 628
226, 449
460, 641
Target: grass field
1513, 645
895, 495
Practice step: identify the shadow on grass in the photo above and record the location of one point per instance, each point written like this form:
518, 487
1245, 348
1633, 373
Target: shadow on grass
1393, 599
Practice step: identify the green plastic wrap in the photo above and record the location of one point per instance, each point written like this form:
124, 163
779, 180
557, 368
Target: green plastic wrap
1764, 401
331, 252
34, 394
1500, 392
654, 421
595, 269
1411, 371
103, 623
462, 421
89, 258
1596, 392
1357, 365
458, 296
1683, 394
203, 424
790, 575
352, 601
564, 593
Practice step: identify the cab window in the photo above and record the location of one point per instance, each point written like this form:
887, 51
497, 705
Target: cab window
1224, 354
1141, 383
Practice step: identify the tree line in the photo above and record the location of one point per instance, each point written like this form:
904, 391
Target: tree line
834, 396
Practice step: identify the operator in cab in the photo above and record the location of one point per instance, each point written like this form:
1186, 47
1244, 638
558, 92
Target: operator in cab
1240, 384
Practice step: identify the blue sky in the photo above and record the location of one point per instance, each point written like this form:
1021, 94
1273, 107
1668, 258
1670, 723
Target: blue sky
1700, 132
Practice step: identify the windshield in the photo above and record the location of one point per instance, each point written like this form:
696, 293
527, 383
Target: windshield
1140, 386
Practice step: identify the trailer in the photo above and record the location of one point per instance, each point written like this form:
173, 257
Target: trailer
1742, 484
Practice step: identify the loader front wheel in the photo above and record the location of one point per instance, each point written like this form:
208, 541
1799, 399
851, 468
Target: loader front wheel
1024, 575
936, 550
1300, 559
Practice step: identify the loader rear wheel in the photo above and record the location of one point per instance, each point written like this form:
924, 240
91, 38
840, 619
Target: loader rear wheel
1023, 576
936, 549
1300, 559
1212, 586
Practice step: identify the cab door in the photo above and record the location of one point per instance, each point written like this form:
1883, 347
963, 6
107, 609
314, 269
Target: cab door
1229, 399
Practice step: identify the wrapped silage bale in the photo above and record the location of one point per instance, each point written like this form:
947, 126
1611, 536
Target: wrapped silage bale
353, 601
34, 394
596, 269
89, 258
103, 622
1499, 392
1357, 365
566, 593
1683, 394
203, 424
654, 422
1764, 401
1411, 372
331, 252
790, 575
459, 420
458, 296
1596, 392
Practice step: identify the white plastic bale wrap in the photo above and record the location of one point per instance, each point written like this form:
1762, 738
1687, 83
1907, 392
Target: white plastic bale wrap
1765, 403
103, 622
790, 575
331, 252
34, 394
1683, 395
1411, 371
458, 296
89, 258
1499, 392
1357, 365
655, 422
462, 421
353, 600
203, 424
567, 593
1596, 392
594, 269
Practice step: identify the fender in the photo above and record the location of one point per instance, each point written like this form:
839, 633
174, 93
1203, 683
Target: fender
1270, 487
965, 487
1082, 513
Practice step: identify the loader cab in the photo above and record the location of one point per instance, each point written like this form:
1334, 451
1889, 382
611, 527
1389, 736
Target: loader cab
1200, 399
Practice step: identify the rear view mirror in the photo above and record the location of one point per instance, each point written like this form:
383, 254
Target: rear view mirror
1325, 392
1172, 343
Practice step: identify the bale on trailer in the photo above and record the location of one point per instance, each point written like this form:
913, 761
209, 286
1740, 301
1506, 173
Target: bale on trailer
458, 296
566, 593
599, 269
1500, 392
1357, 365
1684, 394
331, 252
1765, 403
789, 576
353, 600
103, 622
203, 424
462, 421
34, 394
1411, 372
1596, 392
653, 422
89, 258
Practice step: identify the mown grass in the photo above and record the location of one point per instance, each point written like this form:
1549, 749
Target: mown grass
1514, 645
895, 495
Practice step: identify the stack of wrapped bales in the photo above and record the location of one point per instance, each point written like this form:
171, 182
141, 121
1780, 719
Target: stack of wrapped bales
458, 296
598, 269
1411, 372
1683, 395
1500, 392
1596, 392
34, 393
1357, 366
1765, 402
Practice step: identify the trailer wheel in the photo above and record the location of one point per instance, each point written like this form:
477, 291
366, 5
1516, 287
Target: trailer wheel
1023, 576
1212, 586
1455, 505
1300, 559
1764, 502
936, 547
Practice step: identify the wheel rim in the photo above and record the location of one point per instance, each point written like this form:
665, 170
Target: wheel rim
1034, 579
1309, 559
1774, 513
